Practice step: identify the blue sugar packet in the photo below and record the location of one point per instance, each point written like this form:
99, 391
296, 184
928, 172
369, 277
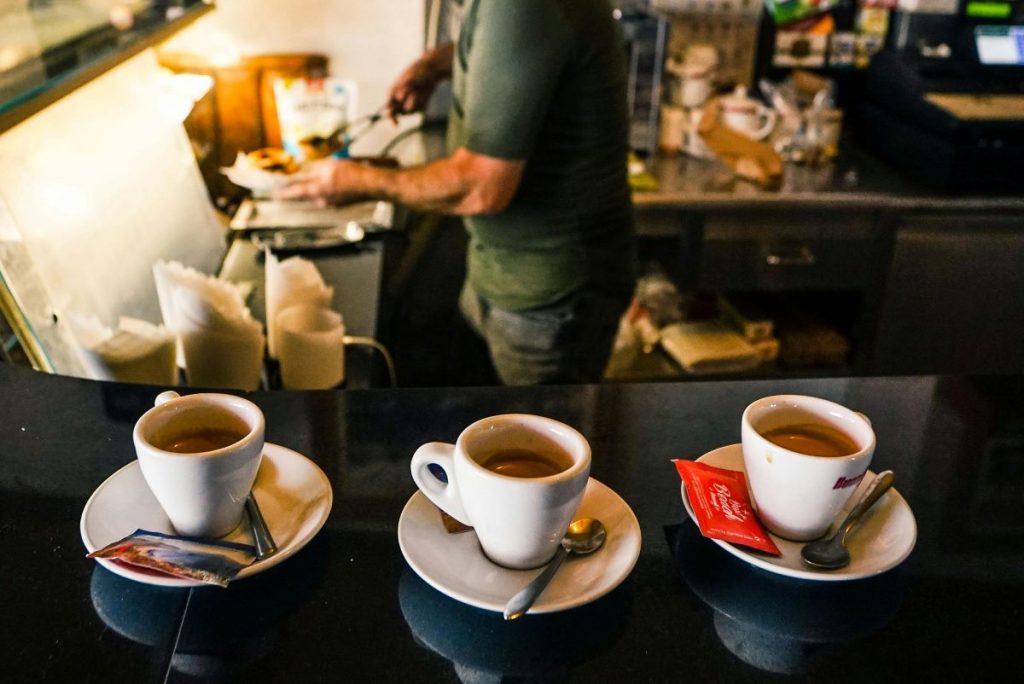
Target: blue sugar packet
202, 560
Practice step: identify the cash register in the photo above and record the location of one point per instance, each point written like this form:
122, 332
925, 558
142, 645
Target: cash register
944, 102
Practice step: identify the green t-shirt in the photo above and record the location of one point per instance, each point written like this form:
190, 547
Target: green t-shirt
545, 81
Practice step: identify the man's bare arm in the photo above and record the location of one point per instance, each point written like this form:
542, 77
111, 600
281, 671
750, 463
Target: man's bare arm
465, 183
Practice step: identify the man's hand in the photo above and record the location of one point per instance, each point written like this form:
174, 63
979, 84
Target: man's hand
327, 181
413, 88
465, 183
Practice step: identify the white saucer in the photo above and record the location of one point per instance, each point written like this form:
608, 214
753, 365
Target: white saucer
294, 495
455, 565
883, 540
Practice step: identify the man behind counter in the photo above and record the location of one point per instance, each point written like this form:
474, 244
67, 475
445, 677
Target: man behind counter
537, 141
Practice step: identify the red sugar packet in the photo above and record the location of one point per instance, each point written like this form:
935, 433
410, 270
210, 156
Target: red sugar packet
720, 501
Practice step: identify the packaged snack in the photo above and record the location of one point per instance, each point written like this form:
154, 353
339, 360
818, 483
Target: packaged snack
310, 109
211, 562
721, 504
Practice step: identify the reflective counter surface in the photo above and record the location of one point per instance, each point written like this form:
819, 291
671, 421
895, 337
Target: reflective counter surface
348, 607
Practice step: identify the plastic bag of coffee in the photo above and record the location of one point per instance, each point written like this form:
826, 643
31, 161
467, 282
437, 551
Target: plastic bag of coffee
721, 503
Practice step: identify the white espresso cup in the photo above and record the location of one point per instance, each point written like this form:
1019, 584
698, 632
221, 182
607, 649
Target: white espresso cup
517, 479
797, 495
746, 115
199, 455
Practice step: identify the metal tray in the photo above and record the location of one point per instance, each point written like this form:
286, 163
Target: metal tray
270, 214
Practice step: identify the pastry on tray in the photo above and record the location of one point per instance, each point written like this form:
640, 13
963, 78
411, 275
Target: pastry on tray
273, 159
262, 171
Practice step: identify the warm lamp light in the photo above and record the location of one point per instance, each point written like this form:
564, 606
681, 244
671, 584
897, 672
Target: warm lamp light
224, 57
121, 17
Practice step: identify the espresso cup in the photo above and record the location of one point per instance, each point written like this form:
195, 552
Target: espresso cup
516, 479
199, 454
804, 458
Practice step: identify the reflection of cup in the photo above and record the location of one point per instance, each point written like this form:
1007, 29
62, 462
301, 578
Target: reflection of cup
140, 612
199, 455
483, 647
311, 347
228, 635
798, 495
778, 624
516, 479
225, 632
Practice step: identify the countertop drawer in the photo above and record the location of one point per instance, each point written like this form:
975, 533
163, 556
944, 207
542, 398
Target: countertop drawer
786, 251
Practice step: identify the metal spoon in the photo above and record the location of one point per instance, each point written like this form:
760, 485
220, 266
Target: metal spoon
831, 553
584, 536
262, 539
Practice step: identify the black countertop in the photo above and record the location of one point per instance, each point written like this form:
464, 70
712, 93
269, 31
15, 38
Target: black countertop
856, 180
348, 607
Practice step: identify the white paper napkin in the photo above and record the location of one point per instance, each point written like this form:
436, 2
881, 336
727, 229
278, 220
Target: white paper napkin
137, 351
293, 281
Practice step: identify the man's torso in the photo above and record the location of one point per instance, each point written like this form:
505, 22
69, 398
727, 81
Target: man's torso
544, 81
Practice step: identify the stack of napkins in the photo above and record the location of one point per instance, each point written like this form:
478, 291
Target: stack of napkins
221, 343
294, 280
137, 351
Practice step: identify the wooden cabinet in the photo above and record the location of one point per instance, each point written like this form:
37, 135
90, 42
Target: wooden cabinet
954, 298
776, 251
914, 292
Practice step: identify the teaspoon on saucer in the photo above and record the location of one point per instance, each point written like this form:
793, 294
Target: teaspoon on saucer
584, 536
831, 553
262, 539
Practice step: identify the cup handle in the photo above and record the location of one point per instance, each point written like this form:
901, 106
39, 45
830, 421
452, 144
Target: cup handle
770, 119
165, 397
444, 495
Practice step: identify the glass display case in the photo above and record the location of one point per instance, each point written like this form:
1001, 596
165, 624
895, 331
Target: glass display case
50, 47
97, 176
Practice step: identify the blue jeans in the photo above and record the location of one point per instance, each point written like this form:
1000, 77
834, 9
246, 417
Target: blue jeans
568, 342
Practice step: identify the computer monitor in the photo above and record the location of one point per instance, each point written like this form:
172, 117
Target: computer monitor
999, 45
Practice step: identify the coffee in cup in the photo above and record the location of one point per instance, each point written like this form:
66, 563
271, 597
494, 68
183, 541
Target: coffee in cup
199, 454
812, 439
804, 457
517, 479
225, 430
526, 462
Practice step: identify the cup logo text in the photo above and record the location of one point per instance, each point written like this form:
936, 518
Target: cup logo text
843, 483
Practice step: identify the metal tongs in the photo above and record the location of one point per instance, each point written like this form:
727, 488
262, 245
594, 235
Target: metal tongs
345, 136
